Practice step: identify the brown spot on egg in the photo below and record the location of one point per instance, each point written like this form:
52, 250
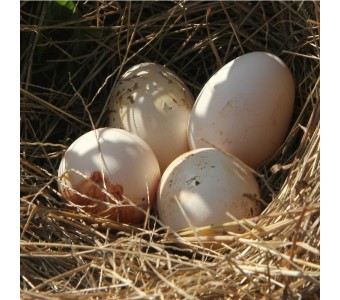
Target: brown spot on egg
227, 140
166, 107
117, 94
134, 87
120, 209
132, 100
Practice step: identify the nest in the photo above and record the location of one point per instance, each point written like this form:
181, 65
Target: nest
72, 54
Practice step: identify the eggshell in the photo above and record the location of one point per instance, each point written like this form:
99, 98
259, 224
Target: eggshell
110, 172
151, 101
201, 186
245, 108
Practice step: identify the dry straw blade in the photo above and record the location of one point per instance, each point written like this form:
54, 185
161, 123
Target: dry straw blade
72, 54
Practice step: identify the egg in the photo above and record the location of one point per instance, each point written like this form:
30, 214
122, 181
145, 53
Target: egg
154, 103
200, 188
245, 108
111, 173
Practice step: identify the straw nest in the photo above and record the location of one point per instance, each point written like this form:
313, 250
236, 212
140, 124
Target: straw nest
71, 56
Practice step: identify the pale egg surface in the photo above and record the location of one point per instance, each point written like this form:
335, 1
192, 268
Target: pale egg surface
201, 186
113, 166
245, 108
154, 103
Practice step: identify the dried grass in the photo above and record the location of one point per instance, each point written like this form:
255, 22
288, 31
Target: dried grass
69, 63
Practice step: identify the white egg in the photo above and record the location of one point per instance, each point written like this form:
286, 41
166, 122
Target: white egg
151, 101
201, 186
111, 173
245, 108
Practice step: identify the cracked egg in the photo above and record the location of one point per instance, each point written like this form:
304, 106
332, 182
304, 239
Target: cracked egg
152, 102
201, 187
110, 173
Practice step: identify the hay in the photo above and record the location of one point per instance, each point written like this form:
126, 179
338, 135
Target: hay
70, 59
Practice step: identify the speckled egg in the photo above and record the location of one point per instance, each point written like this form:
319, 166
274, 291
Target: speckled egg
154, 103
201, 186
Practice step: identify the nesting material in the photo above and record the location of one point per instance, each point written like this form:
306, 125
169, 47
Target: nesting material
72, 54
